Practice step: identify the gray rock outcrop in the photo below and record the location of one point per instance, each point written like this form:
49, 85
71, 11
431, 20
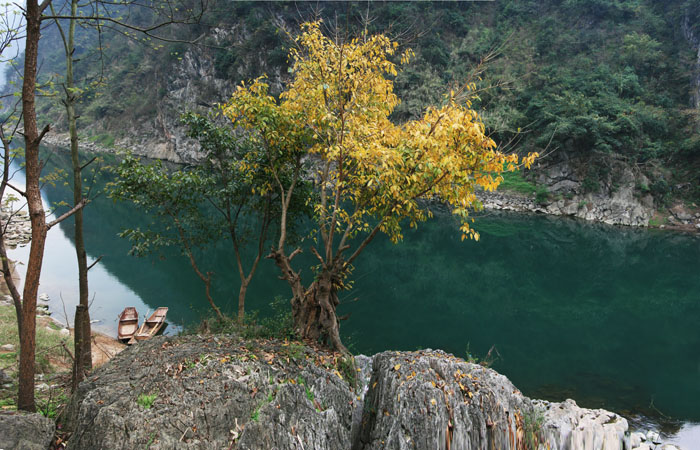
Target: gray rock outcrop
204, 393
25, 431
617, 202
432, 400
16, 226
224, 392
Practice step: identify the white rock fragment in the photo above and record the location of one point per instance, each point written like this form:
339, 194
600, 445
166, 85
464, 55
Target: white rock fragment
654, 437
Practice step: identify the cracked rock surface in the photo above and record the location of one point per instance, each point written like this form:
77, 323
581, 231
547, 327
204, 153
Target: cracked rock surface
224, 392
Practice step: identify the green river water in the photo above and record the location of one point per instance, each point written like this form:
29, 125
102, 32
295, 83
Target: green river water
608, 316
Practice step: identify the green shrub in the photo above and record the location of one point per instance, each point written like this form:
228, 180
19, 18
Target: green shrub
280, 325
146, 400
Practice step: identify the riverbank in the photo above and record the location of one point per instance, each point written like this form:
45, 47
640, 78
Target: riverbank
612, 211
558, 192
54, 356
221, 391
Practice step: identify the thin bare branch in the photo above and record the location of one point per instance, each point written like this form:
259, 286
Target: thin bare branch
67, 214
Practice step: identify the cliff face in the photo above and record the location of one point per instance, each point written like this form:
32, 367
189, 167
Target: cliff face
614, 87
222, 392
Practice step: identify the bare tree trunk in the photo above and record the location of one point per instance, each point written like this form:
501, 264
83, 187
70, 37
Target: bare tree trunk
7, 276
81, 333
206, 279
241, 299
6, 268
83, 344
37, 216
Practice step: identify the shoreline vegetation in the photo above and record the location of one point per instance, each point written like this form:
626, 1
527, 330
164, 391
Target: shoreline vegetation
518, 194
54, 358
54, 342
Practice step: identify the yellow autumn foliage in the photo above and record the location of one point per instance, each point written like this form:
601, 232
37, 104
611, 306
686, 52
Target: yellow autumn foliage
371, 173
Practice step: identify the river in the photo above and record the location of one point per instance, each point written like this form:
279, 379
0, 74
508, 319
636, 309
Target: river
608, 316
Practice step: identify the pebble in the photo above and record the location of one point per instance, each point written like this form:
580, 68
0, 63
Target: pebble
64, 332
42, 387
7, 348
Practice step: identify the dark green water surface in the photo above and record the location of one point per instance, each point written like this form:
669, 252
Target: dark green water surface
608, 316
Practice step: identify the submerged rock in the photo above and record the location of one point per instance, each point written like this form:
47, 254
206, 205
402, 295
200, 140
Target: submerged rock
224, 392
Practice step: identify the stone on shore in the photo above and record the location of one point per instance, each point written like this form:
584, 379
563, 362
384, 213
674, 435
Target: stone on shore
25, 431
224, 392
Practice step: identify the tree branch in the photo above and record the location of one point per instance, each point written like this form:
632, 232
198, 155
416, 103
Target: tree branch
67, 214
43, 132
88, 163
20, 192
99, 258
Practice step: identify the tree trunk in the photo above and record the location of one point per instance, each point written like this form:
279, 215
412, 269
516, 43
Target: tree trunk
81, 333
314, 313
37, 217
83, 345
6, 266
241, 299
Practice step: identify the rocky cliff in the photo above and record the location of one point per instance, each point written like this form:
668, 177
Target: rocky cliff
224, 392
618, 199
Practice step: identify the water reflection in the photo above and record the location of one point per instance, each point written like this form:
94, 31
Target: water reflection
605, 315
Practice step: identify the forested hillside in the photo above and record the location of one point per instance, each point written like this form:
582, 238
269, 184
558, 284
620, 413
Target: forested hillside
597, 83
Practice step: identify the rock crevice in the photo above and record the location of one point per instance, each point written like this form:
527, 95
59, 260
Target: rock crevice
223, 392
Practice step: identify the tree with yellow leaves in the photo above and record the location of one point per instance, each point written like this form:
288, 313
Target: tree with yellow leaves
332, 125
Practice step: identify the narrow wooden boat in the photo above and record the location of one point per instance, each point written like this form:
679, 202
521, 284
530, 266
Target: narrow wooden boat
152, 325
128, 323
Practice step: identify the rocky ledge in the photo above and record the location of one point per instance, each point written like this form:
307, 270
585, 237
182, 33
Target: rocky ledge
18, 230
25, 431
224, 392
618, 209
616, 201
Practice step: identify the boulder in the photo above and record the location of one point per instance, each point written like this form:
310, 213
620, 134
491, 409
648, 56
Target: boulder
567, 426
429, 399
197, 392
433, 400
654, 437
224, 392
25, 431
636, 439
681, 213
643, 446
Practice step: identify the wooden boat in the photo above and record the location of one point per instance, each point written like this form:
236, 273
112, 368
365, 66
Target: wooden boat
152, 325
128, 323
